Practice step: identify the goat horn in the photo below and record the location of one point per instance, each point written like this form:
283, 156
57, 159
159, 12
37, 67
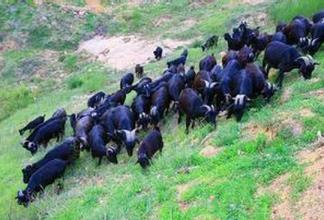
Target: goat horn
207, 107
207, 84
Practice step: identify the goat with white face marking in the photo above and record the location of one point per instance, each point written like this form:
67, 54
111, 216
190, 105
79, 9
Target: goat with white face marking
286, 58
205, 86
317, 33
96, 99
119, 123
297, 31
67, 151
43, 177
44, 133
241, 92
193, 107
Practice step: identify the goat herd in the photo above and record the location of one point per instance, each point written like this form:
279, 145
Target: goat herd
214, 88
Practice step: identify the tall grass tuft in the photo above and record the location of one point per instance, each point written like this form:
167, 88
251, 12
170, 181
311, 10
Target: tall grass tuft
286, 10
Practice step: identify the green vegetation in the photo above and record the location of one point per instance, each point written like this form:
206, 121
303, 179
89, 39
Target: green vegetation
286, 10
181, 183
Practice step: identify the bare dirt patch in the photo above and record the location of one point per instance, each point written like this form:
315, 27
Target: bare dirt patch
210, 151
294, 126
8, 45
124, 52
164, 19
311, 202
199, 3
306, 112
253, 2
252, 130
317, 93
181, 190
256, 19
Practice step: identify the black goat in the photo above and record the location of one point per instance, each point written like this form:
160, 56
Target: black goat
181, 60
207, 63
43, 177
175, 85
209, 43
317, 33
160, 101
67, 151
32, 124
141, 108
139, 71
158, 53
205, 86
119, 123
192, 105
97, 143
96, 100
126, 82
151, 143
318, 17
42, 135
286, 58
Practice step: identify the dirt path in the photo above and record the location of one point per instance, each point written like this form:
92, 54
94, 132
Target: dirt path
95, 5
124, 52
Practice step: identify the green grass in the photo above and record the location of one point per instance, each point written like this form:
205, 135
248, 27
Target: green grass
286, 10
219, 187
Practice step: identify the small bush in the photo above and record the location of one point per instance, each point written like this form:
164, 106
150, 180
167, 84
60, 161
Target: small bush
74, 82
91, 78
13, 99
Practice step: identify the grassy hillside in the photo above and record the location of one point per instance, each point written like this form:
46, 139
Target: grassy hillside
42, 71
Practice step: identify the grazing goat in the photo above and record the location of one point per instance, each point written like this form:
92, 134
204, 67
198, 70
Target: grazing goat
97, 99
43, 134
209, 43
97, 143
286, 58
67, 151
119, 124
205, 86
181, 60
192, 105
43, 177
32, 124
317, 33
151, 143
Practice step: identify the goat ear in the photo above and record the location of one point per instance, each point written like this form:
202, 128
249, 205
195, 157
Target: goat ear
316, 63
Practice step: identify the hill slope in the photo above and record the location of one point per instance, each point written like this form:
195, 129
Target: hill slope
266, 166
